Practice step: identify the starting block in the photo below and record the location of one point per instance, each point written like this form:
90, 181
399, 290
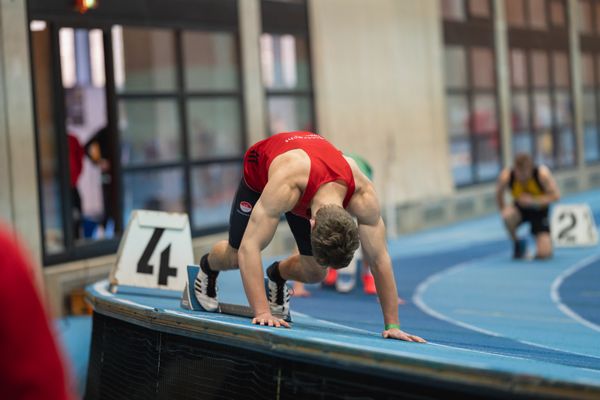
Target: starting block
189, 301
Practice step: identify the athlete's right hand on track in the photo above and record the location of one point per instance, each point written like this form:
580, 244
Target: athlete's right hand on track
401, 335
266, 319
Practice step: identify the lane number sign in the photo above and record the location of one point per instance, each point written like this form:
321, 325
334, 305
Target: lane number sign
154, 252
573, 225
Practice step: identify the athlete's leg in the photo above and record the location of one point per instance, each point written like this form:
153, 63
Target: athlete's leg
544, 245
512, 218
540, 227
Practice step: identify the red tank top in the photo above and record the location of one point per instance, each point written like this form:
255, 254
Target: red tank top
327, 164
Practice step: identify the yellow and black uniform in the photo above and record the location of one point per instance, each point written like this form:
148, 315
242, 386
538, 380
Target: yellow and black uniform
537, 216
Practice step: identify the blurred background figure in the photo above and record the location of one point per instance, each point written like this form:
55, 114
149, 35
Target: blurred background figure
533, 190
31, 367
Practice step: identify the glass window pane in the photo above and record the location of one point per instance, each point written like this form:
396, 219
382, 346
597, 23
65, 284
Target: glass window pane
515, 12
144, 59
214, 127
48, 161
160, 190
455, 67
458, 114
522, 142
589, 107
488, 157
482, 65
592, 143
566, 147
150, 131
540, 68
518, 70
587, 66
210, 60
484, 114
585, 17
545, 148
520, 112
561, 69
537, 14
542, 110
290, 114
563, 107
285, 62
213, 189
460, 158
557, 13
480, 8
453, 10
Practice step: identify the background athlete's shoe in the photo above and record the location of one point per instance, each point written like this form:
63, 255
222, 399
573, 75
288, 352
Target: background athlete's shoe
520, 250
345, 282
330, 278
369, 284
279, 298
205, 290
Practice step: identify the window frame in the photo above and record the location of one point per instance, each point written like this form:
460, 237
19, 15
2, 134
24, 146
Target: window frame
185, 15
589, 43
473, 32
551, 40
281, 18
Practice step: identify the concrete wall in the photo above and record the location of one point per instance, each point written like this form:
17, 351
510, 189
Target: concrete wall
379, 90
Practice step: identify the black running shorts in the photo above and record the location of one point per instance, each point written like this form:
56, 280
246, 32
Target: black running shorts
241, 208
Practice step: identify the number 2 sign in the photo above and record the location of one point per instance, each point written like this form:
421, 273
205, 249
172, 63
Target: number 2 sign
154, 252
573, 225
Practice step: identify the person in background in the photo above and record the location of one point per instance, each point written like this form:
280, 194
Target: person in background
31, 367
76, 154
533, 190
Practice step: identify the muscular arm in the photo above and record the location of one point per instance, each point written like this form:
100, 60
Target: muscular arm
277, 197
552, 193
372, 238
501, 185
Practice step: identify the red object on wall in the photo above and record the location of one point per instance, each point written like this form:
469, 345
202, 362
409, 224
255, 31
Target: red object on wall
83, 6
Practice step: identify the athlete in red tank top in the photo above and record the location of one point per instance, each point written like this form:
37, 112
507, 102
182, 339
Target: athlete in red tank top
327, 164
329, 204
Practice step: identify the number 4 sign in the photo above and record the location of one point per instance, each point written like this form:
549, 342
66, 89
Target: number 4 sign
573, 225
154, 252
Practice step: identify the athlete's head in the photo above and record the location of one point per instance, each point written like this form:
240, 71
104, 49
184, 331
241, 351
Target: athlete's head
523, 167
334, 237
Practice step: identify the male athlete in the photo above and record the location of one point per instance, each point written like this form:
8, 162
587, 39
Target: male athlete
533, 189
320, 191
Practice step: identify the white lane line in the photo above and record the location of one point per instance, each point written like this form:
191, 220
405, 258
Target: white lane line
419, 302
423, 286
555, 291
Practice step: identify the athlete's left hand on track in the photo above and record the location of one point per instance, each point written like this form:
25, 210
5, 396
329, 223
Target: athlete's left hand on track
400, 335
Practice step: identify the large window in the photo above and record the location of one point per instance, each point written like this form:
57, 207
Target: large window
542, 107
286, 72
589, 19
471, 95
134, 117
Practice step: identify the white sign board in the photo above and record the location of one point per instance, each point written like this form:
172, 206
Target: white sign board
155, 251
573, 225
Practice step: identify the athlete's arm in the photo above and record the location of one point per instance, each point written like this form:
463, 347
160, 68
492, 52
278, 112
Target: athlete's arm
551, 190
277, 197
372, 238
501, 185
